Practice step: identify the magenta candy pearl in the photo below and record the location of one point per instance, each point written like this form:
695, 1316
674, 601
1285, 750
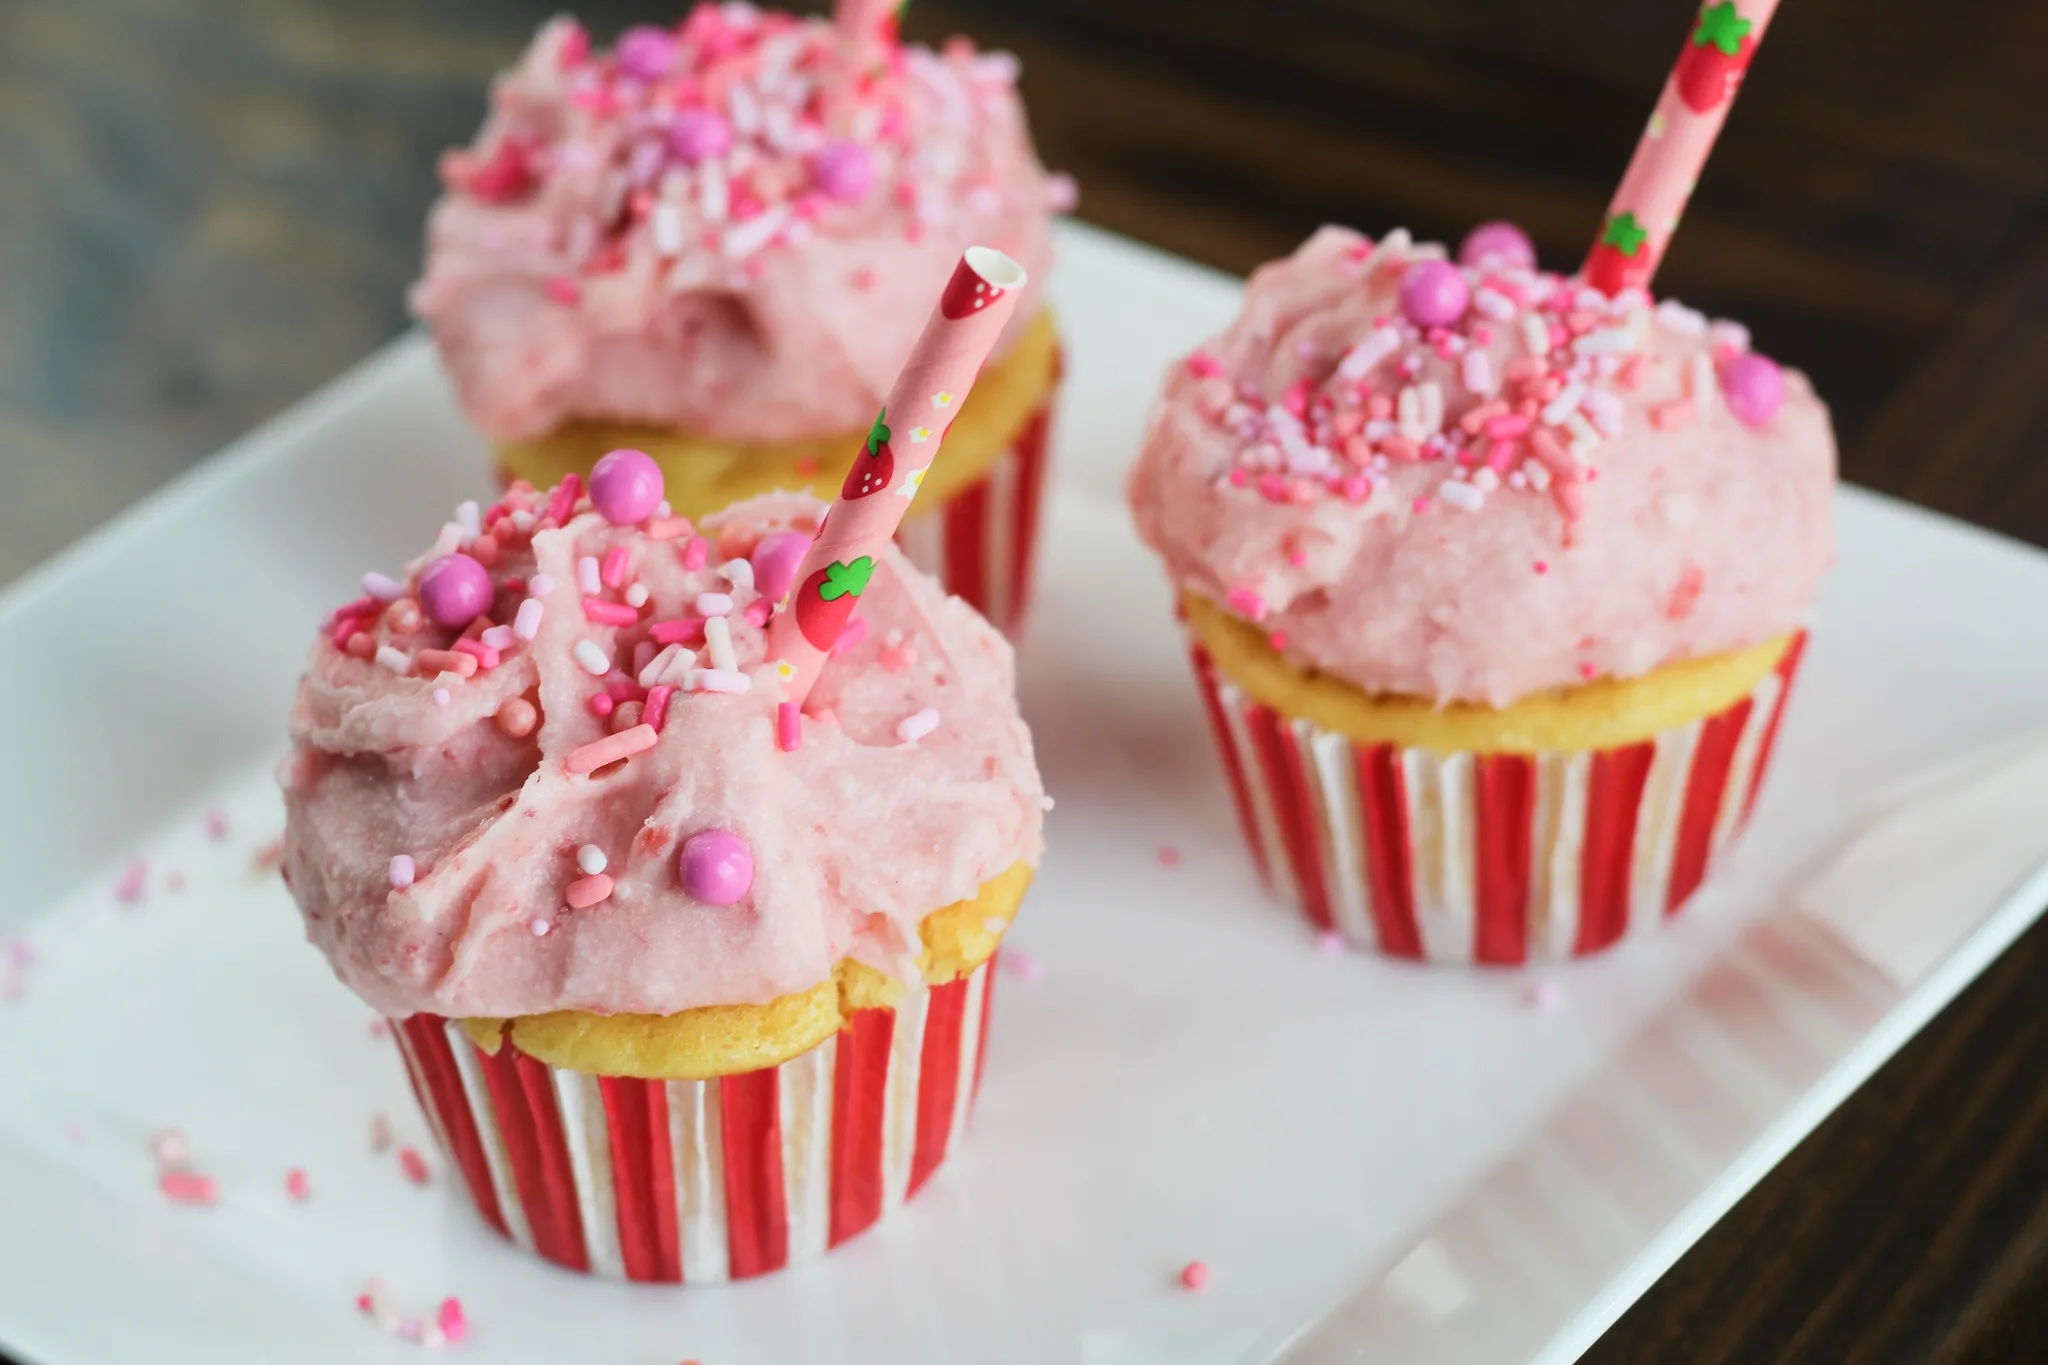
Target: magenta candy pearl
845, 172
699, 135
626, 487
717, 866
646, 53
1434, 294
1501, 245
776, 560
455, 590
1754, 387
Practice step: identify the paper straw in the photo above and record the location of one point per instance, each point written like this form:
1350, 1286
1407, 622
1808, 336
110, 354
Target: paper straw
890, 465
1690, 111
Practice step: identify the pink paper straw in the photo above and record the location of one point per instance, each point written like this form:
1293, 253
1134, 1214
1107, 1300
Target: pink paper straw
891, 464
1667, 162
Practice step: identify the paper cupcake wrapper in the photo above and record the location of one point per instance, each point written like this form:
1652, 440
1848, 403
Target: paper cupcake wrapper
704, 1181
1498, 858
979, 542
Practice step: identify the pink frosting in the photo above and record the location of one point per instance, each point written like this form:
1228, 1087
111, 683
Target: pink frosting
855, 837
583, 265
1616, 520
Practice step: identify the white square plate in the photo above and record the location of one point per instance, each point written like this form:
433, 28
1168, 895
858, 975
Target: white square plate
1376, 1161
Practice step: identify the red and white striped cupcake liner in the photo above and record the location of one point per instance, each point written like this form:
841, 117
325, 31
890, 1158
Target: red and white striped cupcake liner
979, 542
704, 1181
1498, 858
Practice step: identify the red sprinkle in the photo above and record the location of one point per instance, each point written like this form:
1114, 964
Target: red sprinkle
189, 1187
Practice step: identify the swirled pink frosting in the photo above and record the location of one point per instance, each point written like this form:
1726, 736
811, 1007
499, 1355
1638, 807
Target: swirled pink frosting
855, 837
1297, 473
591, 260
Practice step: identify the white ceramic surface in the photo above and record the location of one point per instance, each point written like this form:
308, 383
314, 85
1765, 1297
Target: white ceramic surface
1376, 1161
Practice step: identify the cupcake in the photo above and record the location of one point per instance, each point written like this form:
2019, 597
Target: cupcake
716, 243
679, 1005
1495, 588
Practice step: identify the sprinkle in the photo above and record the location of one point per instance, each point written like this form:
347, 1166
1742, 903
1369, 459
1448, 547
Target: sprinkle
1477, 369
393, 660
563, 290
499, 637
1542, 566
724, 680
189, 1187
169, 1149
916, 726
1700, 381
413, 1165
1607, 341
1246, 602
452, 1321
1493, 304
740, 573
1545, 997
216, 821
382, 587
613, 570
670, 660
402, 871
1360, 359
636, 596
718, 642
298, 1187
539, 927
380, 1133
540, 585
442, 696
655, 711
676, 631
789, 727
1330, 943
447, 542
604, 613
600, 752
133, 882
668, 528
1671, 416
1565, 404
714, 604
588, 576
585, 892
1023, 965
447, 661
696, 553
592, 659
1674, 316
1168, 856
517, 717
1194, 1276
1535, 335
469, 518
1462, 496
526, 622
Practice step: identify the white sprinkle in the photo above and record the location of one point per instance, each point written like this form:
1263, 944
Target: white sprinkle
666, 226
1584, 438
1484, 479
1359, 360
588, 580
915, 727
724, 680
526, 622
1478, 373
382, 587
170, 1149
667, 666
1408, 414
1700, 379
1535, 334
1722, 332
402, 871
540, 585
742, 240
714, 196
470, 519
714, 604
1461, 495
442, 696
740, 573
393, 660
1605, 408
718, 642
1537, 473
522, 520
498, 637
1396, 242
540, 927
746, 110
1564, 405
1606, 341
591, 859
1430, 395
594, 660
448, 542
636, 595
1493, 304
1674, 316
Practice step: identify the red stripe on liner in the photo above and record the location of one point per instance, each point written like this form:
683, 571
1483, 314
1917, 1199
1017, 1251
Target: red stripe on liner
1706, 790
1383, 813
938, 1082
426, 1040
966, 550
643, 1179
1614, 799
1031, 461
756, 1212
1233, 769
1285, 783
1504, 794
1788, 668
531, 1126
860, 1094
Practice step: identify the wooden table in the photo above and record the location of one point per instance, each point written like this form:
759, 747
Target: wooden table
211, 206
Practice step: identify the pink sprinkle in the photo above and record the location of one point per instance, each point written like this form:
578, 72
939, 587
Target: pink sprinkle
850, 636
601, 704
613, 571
609, 613
1673, 415
169, 1149
789, 727
564, 500
1169, 856
1277, 639
1195, 1276
402, 871
1588, 671
1329, 943
453, 1321
485, 655
1024, 966
413, 1165
297, 1187
668, 528
598, 753
20, 953
1247, 602
216, 824
585, 892
655, 711
380, 1133
379, 1030
134, 882
1202, 365
458, 661
1542, 566
498, 638
696, 553
1545, 996
758, 611
565, 291
680, 631
189, 1187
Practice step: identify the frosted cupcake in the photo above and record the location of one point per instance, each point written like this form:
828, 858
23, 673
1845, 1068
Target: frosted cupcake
679, 1005
1495, 588
716, 243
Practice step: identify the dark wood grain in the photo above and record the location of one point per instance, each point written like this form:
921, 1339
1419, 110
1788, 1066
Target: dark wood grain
207, 207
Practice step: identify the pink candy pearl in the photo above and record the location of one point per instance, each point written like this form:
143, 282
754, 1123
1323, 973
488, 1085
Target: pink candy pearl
646, 53
626, 487
1434, 294
776, 560
455, 590
845, 172
699, 135
717, 866
1499, 244
1754, 387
